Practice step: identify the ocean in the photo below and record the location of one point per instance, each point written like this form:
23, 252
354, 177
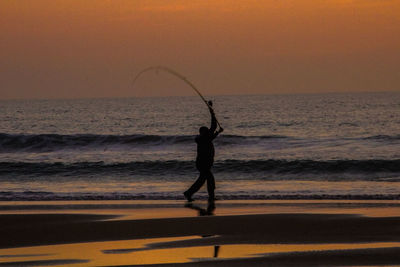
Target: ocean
305, 146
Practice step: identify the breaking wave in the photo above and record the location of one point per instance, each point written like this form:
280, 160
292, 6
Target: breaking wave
54, 142
44, 195
174, 167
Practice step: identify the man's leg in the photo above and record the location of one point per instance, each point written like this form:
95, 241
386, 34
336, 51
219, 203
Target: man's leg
210, 185
196, 185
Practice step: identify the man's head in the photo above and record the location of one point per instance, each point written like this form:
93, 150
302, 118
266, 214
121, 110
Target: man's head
203, 131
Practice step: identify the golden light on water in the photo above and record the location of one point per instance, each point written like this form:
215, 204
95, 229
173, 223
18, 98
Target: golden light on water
136, 252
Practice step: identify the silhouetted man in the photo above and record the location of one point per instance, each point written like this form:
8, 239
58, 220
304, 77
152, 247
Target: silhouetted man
205, 158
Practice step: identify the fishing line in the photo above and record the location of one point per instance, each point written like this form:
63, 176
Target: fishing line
176, 74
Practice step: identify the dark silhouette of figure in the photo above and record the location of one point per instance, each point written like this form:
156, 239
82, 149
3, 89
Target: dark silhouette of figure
205, 158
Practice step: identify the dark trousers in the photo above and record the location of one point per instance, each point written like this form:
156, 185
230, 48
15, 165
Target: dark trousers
205, 175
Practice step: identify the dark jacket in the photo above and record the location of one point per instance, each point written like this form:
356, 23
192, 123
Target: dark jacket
205, 147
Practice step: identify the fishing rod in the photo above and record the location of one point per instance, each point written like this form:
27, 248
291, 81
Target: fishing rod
180, 76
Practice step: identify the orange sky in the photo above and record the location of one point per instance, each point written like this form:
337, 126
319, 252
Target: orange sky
79, 48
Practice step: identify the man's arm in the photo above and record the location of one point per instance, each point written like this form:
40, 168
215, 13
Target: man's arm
213, 126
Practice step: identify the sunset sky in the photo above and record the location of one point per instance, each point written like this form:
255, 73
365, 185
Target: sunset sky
79, 48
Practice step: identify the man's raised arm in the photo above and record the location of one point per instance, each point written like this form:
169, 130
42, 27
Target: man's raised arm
213, 126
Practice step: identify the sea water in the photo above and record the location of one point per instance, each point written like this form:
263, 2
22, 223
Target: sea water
306, 146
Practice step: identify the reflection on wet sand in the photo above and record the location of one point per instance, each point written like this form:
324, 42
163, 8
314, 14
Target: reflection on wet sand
163, 250
205, 212
201, 211
263, 239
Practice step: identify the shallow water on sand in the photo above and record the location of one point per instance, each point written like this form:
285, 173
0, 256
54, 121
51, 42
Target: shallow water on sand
188, 244
153, 209
160, 251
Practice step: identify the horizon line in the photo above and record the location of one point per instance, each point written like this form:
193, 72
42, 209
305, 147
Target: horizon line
212, 95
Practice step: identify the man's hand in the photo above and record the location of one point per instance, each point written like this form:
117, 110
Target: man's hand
210, 107
220, 130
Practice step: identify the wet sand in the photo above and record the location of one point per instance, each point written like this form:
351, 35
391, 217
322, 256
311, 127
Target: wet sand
167, 232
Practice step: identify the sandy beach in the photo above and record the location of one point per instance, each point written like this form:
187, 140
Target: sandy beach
279, 233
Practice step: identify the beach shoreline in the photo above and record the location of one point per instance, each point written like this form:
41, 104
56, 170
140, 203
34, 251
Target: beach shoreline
355, 228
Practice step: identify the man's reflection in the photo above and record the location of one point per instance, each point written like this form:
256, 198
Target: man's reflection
205, 212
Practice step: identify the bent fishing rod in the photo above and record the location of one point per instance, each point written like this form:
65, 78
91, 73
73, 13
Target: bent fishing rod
180, 76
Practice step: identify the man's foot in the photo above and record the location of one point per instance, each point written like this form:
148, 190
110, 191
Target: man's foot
188, 196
